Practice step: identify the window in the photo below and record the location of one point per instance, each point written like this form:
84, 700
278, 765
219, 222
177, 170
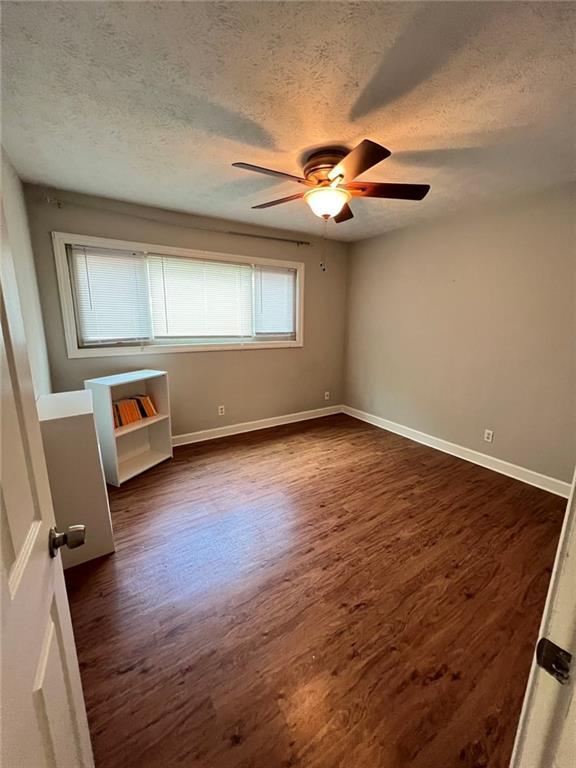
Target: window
129, 298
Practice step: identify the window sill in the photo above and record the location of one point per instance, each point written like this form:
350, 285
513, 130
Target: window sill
163, 349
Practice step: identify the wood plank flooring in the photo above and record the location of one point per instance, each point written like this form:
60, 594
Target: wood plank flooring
320, 595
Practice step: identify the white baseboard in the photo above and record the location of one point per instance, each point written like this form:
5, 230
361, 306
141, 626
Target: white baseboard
252, 426
544, 482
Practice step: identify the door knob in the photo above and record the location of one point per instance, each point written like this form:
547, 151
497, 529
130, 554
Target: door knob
74, 536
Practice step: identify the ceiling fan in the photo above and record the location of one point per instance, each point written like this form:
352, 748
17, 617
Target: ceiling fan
330, 174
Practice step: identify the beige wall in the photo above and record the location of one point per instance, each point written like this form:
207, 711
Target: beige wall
19, 238
470, 322
252, 384
454, 326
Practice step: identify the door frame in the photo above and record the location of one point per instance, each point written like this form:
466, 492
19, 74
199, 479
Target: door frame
543, 720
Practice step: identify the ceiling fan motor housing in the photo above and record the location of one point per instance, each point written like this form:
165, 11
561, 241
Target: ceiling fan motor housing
321, 162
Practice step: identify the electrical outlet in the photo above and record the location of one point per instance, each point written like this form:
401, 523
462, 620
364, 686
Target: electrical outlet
488, 435
221, 410
326, 395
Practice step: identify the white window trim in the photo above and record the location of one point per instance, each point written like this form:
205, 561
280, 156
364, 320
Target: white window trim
61, 239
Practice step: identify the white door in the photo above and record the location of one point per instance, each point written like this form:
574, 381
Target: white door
546, 736
43, 714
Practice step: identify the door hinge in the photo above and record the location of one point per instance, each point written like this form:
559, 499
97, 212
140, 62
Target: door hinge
555, 660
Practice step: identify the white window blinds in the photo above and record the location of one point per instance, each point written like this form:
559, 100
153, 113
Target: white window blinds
200, 299
274, 300
111, 296
124, 297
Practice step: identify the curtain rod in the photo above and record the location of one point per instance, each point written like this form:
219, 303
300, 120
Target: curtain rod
59, 203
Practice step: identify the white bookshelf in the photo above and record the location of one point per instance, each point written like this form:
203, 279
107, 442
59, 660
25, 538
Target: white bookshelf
127, 451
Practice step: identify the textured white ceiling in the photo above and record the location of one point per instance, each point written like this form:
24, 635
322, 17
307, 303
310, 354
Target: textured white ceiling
152, 102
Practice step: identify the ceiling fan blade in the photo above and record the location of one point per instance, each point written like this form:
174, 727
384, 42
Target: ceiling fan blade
344, 215
280, 201
390, 191
270, 172
362, 157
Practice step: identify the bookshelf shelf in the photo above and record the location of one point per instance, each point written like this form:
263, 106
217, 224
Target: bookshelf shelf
139, 463
137, 446
125, 430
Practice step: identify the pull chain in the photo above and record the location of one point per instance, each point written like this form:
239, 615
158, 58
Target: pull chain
324, 251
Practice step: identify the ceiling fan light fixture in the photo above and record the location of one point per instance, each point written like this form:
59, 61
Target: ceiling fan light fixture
327, 202
329, 174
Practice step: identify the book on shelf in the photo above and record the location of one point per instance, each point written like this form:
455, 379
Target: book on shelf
145, 405
131, 409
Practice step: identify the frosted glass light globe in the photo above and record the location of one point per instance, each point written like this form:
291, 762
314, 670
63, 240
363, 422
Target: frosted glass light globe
327, 202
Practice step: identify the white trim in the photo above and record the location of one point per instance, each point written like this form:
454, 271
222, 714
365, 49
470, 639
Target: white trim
61, 239
68, 238
544, 482
163, 349
544, 719
251, 426
550, 484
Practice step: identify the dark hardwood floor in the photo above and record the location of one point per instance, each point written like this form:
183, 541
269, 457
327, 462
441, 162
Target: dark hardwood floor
320, 595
